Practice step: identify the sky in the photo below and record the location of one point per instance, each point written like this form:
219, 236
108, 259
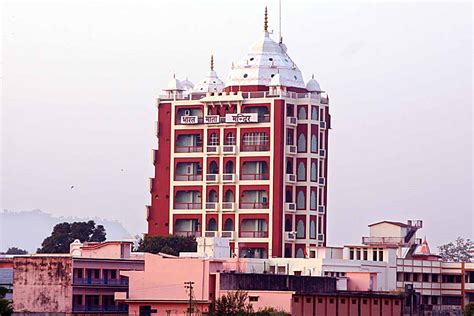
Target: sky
80, 81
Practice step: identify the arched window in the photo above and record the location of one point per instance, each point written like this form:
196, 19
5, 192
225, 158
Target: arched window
301, 143
301, 171
228, 225
288, 225
213, 139
312, 200
300, 253
302, 113
230, 139
314, 144
314, 113
288, 197
289, 167
212, 197
300, 203
300, 229
212, 225
229, 196
312, 229
229, 167
213, 168
314, 172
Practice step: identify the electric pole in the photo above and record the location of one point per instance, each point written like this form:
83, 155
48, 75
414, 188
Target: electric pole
189, 285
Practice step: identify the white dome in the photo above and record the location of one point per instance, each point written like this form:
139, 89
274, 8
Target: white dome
313, 85
174, 85
265, 59
187, 85
276, 81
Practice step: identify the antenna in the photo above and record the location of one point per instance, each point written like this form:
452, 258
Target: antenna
279, 21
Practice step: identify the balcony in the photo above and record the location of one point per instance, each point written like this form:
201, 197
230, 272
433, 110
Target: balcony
101, 308
254, 176
290, 207
290, 236
212, 177
184, 233
291, 149
228, 234
211, 206
291, 121
321, 209
228, 206
228, 177
212, 150
92, 282
188, 149
253, 205
210, 233
253, 234
291, 178
229, 149
260, 147
188, 177
187, 205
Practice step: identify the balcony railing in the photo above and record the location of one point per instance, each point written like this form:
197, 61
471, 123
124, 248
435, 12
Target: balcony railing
228, 234
383, 240
187, 206
253, 205
228, 206
210, 233
100, 308
212, 177
188, 177
229, 149
185, 233
212, 149
211, 206
253, 234
188, 149
261, 147
102, 281
254, 176
228, 177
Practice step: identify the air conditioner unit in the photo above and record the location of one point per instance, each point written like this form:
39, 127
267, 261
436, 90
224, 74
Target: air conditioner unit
320, 237
322, 181
321, 209
322, 153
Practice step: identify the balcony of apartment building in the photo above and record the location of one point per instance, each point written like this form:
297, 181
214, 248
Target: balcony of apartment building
255, 141
212, 175
254, 170
212, 201
187, 227
229, 147
253, 228
188, 143
188, 171
228, 205
189, 116
228, 231
254, 199
98, 277
229, 172
261, 111
187, 200
97, 303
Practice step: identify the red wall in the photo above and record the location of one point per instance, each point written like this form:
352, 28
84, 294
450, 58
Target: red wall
278, 175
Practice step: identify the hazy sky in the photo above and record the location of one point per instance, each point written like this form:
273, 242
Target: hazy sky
80, 80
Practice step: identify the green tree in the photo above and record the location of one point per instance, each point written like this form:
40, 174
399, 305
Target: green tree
64, 234
469, 309
6, 308
15, 251
172, 245
271, 311
231, 304
457, 251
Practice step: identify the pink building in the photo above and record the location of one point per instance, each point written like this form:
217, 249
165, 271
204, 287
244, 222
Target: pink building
84, 280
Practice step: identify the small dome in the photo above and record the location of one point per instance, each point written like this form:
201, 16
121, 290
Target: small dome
174, 85
313, 85
211, 83
187, 85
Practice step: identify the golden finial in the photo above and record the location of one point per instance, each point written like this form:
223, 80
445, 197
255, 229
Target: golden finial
212, 62
265, 21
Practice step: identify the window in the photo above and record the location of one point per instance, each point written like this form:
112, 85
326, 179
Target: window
366, 254
213, 140
308, 300
213, 168
312, 200
376, 302
314, 113
380, 255
228, 225
302, 113
229, 196
296, 299
354, 301
301, 143
364, 302
320, 300
289, 137
397, 303
230, 139
434, 278
113, 274
257, 138
374, 254
358, 253
314, 144
434, 301
351, 253
288, 225
300, 229
386, 302
312, 229
301, 171
331, 301
314, 172
229, 167
300, 201
299, 253
343, 301
212, 225
253, 298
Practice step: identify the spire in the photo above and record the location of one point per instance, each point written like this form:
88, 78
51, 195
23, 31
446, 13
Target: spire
212, 62
265, 21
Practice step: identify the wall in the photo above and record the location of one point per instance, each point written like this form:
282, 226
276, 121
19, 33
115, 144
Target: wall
387, 230
42, 284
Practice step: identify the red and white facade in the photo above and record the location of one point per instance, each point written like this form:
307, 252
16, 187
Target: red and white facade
245, 159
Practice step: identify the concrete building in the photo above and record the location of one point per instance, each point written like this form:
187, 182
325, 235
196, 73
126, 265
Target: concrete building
83, 281
6, 275
245, 159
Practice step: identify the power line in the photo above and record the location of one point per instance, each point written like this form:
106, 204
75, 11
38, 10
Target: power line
190, 285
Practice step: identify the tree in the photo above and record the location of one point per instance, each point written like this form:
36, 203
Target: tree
457, 251
5, 307
271, 311
15, 251
172, 245
64, 234
231, 304
469, 309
